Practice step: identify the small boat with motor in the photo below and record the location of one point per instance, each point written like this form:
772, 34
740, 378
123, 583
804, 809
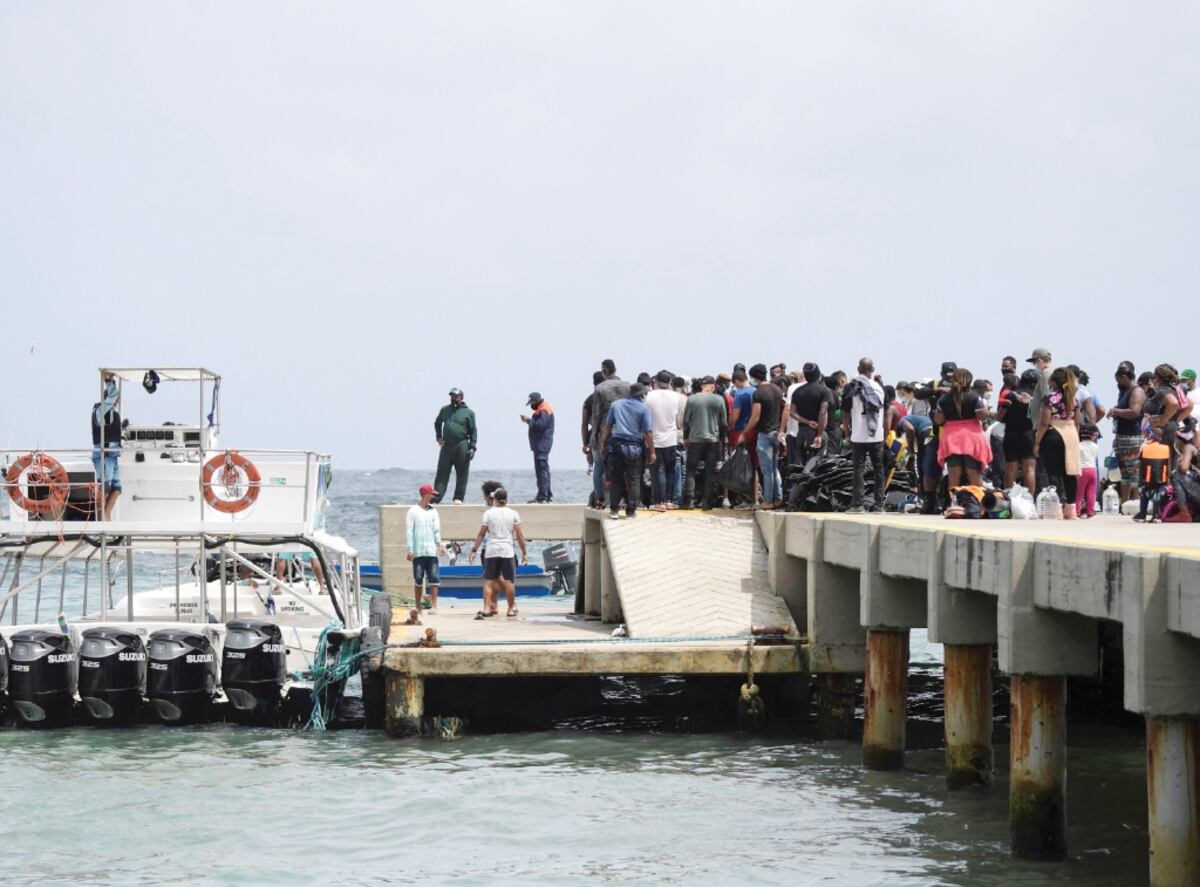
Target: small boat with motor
556, 576
160, 576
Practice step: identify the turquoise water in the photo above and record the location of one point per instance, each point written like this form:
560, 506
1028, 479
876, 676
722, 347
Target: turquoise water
224, 805
227, 805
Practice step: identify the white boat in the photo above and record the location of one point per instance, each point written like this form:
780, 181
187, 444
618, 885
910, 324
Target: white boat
211, 573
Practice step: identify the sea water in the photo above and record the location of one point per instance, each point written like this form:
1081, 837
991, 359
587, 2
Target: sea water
229, 805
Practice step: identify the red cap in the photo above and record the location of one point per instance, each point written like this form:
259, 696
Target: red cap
427, 490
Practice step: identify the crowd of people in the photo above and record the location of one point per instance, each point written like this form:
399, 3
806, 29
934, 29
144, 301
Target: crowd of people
662, 440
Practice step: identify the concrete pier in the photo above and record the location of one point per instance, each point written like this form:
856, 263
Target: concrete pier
1037, 804
852, 587
968, 694
886, 694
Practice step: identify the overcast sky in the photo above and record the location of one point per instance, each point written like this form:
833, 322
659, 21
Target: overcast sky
348, 208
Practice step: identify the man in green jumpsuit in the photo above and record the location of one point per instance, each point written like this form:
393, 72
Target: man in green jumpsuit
456, 434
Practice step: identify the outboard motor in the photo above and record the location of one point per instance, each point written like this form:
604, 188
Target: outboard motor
112, 675
253, 670
42, 678
182, 675
557, 559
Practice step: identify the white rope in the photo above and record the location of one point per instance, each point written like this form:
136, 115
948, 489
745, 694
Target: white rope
21, 394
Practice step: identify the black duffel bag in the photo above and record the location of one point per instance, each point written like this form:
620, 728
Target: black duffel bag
737, 474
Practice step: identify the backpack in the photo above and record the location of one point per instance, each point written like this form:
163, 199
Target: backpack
1155, 463
1185, 403
872, 405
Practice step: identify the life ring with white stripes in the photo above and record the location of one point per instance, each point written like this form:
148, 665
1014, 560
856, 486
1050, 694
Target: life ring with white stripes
43, 471
229, 468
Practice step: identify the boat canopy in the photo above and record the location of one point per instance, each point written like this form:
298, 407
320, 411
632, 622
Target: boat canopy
165, 374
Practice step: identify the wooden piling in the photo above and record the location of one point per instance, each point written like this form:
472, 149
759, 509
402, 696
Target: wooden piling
886, 694
968, 693
1173, 789
1037, 811
405, 704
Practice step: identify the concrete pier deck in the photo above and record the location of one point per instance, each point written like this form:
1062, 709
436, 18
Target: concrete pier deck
548, 638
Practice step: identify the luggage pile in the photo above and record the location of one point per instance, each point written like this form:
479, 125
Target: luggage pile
825, 482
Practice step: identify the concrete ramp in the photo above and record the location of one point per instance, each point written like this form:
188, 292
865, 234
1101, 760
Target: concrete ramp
692, 575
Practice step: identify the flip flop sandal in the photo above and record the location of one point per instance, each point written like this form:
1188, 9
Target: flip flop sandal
511, 615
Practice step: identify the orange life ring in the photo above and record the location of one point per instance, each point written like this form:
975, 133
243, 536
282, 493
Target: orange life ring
44, 471
228, 463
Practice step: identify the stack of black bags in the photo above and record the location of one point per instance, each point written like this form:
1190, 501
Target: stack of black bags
825, 482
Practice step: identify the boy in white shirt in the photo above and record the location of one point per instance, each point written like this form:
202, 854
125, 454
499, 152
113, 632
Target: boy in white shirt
502, 526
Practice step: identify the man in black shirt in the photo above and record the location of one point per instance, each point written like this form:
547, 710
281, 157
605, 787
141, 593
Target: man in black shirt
766, 406
931, 470
810, 407
585, 430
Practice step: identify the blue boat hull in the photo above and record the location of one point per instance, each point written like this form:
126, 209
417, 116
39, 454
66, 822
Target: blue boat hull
467, 581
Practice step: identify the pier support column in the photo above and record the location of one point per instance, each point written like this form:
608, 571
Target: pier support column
610, 601
593, 543
1037, 809
886, 693
1173, 785
968, 691
405, 704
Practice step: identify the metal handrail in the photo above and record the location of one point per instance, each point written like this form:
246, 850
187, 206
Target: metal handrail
82, 451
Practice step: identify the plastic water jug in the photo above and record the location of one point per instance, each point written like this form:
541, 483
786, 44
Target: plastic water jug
1049, 506
1111, 501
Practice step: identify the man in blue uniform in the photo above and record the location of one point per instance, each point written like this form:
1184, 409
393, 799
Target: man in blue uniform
541, 439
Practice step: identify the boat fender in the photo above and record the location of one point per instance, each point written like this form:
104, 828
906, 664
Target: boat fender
371, 643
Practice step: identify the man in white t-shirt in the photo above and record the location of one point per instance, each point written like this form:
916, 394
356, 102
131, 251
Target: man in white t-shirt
666, 416
793, 424
863, 422
502, 526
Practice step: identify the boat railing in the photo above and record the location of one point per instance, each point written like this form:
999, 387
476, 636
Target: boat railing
78, 576
298, 475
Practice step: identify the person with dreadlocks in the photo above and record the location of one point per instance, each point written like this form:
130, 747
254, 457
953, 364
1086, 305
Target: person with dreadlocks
1057, 438
963, 448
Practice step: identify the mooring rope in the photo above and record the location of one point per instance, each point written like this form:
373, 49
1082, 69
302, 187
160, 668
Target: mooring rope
324, 674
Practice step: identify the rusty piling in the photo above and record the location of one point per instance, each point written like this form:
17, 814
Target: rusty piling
1037, 812
885, 695
405, 704
1173, 788
968, 693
